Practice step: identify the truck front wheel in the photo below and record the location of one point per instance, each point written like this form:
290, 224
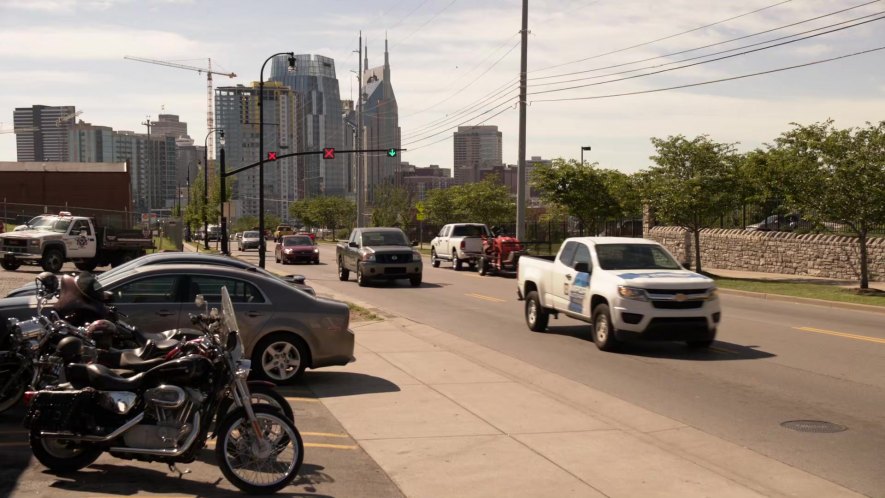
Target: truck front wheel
86, 265
53, 259
9, 265
603, 330
536, 317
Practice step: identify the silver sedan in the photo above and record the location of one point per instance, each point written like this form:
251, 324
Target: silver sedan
283, 329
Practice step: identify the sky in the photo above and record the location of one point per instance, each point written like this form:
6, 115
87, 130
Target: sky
456, 62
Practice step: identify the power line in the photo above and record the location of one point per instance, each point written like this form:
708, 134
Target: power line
407, 15
505, 103
449, 137
663, 38
426, 22
712, 54
708, 45
505, 89
732, 78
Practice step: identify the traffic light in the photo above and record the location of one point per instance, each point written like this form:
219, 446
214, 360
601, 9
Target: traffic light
329, 153
271, 156
391, 152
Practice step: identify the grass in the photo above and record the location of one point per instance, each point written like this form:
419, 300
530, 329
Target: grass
825, 291
358, 313
162, 244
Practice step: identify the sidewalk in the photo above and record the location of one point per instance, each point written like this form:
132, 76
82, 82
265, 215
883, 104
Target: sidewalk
781, 277
446, 417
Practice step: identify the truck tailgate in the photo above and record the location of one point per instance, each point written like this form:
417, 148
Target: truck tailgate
472, 244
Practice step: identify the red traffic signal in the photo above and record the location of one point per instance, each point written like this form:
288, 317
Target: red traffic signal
271, 156
329, 153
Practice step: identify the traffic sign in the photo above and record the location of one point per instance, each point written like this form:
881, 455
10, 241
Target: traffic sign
419, 206
328, 152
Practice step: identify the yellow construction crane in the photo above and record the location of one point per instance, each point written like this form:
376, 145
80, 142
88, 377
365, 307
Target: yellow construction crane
210, 121
67, 117
17, 130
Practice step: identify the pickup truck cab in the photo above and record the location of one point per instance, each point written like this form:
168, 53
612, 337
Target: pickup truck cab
459, 243
378, 254
54, 239
626, 288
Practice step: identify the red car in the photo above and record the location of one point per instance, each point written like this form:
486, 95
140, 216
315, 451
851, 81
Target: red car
295, 248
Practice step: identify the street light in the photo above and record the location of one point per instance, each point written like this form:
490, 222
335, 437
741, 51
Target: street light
262, 245
583, 148
206, 186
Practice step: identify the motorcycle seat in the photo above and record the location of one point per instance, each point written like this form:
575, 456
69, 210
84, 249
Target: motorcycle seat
101, 377
129, 359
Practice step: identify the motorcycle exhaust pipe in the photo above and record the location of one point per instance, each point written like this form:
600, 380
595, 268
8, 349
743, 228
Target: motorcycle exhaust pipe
166, 452
95, 439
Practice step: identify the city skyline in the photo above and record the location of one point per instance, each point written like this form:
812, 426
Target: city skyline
445, 57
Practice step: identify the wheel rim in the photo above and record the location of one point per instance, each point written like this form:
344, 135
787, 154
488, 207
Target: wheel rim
60, 448
532, 313
12, 396
265, 462
281, 360
601, 328
359, 275
54, 260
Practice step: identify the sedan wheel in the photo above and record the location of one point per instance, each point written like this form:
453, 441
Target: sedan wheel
280, 359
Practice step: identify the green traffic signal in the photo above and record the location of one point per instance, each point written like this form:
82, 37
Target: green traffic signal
391, 152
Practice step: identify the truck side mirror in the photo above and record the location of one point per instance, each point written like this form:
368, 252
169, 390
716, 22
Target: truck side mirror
414, 243
353, 244
582, 267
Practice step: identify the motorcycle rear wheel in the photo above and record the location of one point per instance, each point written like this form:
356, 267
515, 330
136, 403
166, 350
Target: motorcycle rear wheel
62, 456
259, 466
13, 393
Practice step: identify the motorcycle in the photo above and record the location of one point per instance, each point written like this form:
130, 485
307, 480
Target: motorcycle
164, 414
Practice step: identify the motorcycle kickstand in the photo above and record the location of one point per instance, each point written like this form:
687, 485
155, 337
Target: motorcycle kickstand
174, 468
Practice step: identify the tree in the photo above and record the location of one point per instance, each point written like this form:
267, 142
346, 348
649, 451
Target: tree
838, 175
440, 205
692, 183
244, 223
332, 212
392, 206
487, 201
581, 189
300, 210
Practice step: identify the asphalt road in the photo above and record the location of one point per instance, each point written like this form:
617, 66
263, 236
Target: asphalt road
773, 362
334, 465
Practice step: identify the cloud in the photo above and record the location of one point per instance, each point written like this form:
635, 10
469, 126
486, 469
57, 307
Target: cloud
93, 43
62, 6
32, 78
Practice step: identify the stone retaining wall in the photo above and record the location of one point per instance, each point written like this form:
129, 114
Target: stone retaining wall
814, 255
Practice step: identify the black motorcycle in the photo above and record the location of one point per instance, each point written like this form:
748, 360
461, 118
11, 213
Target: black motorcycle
164, 414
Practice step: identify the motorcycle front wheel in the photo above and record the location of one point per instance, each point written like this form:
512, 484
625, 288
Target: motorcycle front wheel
256, 464
12, 386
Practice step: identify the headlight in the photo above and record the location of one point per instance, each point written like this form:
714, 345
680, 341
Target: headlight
368, 256
288, 251
632, 293
316, 250
714, 294
416, 256
35, 242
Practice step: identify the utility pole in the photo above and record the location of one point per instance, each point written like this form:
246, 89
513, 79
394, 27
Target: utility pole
520, 171
360, 175
147, 167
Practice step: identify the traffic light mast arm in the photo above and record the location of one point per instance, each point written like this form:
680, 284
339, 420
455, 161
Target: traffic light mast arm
310, 153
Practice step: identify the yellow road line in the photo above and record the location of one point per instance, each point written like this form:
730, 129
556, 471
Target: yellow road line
324, 434
842, 334
727, 351
332, 446
306, 400
487, 298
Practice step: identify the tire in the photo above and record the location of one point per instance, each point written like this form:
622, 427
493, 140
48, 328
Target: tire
86, 265
9, 265
603, 330
415, 280
361, 279
280, 358
343, 273
434, 261
483, 267
53, 259
704, 344
122, 259
262, 394
536, 317
456, 263
235, 433
14, 393
58, 456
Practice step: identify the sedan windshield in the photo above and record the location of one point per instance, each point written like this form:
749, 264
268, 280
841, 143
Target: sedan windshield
634, 257
250, 235
297, 241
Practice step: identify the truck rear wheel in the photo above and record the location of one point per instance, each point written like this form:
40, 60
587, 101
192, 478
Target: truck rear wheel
456, 263
536, 317
9, 265
53, 259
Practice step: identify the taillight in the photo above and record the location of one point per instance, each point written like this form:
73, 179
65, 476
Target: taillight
463, 244
29, 395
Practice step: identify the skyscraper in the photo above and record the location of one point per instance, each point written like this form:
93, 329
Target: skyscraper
168, 125
381, 124
236, 111
44, 132
476, 148
319, 122
90, 144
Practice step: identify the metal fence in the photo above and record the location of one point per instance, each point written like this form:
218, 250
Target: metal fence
19, 214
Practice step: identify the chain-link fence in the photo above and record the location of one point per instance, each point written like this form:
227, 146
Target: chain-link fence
19, 214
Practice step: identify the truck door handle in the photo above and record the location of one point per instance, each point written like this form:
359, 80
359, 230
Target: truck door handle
568, 277
165, 313
253, 313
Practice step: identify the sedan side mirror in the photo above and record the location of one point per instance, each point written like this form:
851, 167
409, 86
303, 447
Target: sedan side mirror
582, 267
414, 243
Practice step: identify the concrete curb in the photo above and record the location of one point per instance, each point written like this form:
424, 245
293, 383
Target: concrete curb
804, 300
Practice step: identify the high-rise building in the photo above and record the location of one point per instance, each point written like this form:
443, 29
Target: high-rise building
131, 147
236, 112
168, 125
476, 148
418, 181
380, 125
44, 132
152, 162
320, 122
90, 144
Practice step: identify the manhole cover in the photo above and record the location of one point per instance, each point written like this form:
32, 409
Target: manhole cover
813, 426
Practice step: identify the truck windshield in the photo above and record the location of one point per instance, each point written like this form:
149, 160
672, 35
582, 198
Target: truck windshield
384, 239
54, 224
634, 257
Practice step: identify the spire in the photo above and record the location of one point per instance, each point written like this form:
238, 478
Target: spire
386, 60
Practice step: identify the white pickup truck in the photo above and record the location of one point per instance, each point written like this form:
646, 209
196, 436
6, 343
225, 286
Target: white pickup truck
459, 243
625, 288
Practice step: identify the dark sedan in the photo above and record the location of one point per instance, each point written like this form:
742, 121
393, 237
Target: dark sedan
161, 258
283, 329
295, 248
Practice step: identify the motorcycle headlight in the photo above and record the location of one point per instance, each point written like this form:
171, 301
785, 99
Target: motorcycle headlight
632, 293
416, 256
